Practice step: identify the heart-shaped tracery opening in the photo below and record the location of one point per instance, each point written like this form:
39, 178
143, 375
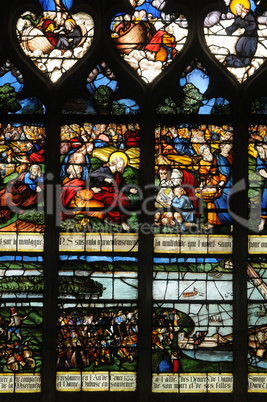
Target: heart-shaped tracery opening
238, 37
149, 39
56, 39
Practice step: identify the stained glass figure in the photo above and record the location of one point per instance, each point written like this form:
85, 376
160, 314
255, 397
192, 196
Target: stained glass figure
98, 277
104, 96
99, 194
257, 187
256, 265
20, 346
193, 177
148, 39
237, 37
11, 83
55, 39
195, 83
97, 347
22, 154
192, 347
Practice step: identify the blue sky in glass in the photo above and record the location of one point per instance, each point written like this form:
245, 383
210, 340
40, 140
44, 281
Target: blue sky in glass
252, 5
198, 78
95, 258
20, 258
201, 81
147, 5
102, 80
50, 4
8, 78
164, 260
30, 103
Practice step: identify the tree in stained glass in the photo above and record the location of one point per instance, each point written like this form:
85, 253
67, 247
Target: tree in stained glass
94, 277
20, 346
104, 96
195, 82
192, 334
11, 83
259, 106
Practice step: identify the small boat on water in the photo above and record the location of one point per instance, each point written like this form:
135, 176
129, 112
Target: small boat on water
216, 318
134, 36
190, 294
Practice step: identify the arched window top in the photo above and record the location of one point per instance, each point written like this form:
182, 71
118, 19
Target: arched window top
195, 83
104, 95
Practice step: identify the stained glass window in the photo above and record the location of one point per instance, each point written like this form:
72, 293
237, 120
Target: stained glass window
22, 234
133, 200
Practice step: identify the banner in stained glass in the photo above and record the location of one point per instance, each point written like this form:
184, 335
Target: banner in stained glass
99, 187
97, 347
20, 347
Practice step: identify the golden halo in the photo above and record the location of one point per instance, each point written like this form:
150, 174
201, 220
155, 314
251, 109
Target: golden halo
119, 155
233, 3
70, 20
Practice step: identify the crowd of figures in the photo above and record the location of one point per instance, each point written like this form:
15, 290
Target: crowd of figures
257, 151
165, 341
22, 154
99, 190
194, 170
97, 338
